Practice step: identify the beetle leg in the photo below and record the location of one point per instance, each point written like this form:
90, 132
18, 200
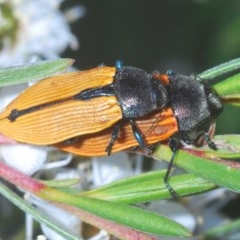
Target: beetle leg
119, 64
102, 64
137, 134
207, 138
170, 72
186, 139
174, 147
113, 138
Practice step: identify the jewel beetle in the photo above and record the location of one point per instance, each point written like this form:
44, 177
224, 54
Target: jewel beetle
73, 110
80, 103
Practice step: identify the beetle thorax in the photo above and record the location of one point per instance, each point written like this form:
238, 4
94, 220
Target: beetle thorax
137, 93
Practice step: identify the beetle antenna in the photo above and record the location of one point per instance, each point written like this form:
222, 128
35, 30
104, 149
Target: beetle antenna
174, 147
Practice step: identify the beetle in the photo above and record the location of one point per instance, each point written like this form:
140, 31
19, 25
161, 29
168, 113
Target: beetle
191, 105
79, 111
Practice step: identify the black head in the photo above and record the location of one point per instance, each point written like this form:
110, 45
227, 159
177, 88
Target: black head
195, 104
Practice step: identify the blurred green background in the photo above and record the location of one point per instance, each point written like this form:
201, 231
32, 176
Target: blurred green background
184, 36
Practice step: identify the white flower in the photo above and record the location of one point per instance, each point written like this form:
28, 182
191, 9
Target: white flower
33, 28
25, 158
114, 167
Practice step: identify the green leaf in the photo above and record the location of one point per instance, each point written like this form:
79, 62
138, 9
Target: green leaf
208, 165
123, 214
32, 72
224, 231
148, 187
61, 183
229, 89
221, 69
